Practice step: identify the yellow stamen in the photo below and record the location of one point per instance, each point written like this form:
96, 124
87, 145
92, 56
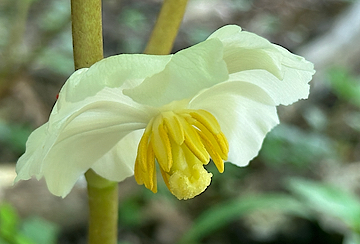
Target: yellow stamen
217, 159
142, 148
174, 126
207, 119
182, 142
217, 140
192, 140
161, 144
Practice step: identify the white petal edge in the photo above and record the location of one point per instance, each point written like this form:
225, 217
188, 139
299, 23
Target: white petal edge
287, 91
118, 163
247, 51
29, 163
80, 134
245, 114
189, 71
124, 70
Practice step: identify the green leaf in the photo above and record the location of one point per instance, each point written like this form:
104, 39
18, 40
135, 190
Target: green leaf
352, 238
329, 200
8, 221
14, 135
133, 18
221, 215
40, 230
56, 14
21, 239
130, 213
290, 145
345, 86
2, 241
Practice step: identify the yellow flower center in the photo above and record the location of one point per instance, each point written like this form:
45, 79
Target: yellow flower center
182, 142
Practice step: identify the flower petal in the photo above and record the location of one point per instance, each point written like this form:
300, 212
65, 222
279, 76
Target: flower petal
118, 163
126, 70
245, 113
189, 71
29, 163
79, 134
244, 51
232, 34
247, 51
287, 91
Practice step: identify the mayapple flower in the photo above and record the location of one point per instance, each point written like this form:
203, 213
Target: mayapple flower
214, 101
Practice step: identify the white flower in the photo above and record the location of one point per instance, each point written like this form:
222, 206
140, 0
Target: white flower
215, 100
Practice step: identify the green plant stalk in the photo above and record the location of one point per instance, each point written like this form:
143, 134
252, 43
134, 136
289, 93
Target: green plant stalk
103, 205
86, 32
88, 49
166, 27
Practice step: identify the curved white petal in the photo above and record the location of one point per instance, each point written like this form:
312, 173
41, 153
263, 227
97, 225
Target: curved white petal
79, 134
127, 70
30, 163
189, 71
118, 163
233, 33
244, 51
245, 113
247, 51
286, 91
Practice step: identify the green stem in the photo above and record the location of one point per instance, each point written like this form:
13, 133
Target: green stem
86, 32
166, 27
88, 49
103, 204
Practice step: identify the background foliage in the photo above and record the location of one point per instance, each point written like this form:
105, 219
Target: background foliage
302, 188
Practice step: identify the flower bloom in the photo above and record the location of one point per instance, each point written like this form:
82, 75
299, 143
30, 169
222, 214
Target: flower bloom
215, 100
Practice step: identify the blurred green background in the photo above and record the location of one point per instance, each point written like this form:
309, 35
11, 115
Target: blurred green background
302, 188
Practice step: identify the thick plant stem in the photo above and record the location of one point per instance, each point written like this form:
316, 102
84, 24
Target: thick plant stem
166, 27
103, 204
86, 32
88, 49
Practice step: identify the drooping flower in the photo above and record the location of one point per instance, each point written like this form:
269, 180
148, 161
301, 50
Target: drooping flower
215, 100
